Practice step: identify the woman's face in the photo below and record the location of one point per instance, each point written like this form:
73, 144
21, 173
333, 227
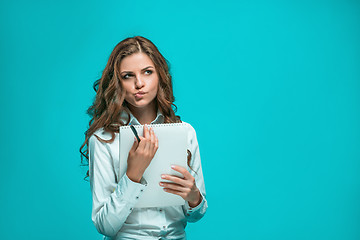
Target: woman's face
139, 79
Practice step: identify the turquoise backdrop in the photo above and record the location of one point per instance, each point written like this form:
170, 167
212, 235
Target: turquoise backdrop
271, 87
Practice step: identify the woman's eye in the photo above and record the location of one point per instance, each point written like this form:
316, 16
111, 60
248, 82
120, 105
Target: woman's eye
125, 76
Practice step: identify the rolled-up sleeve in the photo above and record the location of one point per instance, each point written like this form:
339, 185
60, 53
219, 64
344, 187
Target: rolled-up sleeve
196, 213
111, 202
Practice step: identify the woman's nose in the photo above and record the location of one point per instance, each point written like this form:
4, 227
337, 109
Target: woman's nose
139, 83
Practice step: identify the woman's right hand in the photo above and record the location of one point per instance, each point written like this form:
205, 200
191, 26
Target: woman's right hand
141, 154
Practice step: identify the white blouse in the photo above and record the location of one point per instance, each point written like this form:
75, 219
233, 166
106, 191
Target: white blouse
114, 198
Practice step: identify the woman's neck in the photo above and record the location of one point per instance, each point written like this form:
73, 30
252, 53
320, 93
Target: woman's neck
146, 114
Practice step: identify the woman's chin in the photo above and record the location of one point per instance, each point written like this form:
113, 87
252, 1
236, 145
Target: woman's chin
140, 104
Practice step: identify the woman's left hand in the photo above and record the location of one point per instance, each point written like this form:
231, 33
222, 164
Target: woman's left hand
184, 187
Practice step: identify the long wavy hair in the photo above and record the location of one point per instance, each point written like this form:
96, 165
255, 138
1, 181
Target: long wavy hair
110, 95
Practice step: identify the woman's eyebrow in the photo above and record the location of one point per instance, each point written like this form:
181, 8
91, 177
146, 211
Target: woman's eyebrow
142, 69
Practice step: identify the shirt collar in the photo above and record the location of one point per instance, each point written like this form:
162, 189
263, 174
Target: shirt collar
133, 121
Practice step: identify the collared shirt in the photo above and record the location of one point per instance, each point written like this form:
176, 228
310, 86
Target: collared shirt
114, 197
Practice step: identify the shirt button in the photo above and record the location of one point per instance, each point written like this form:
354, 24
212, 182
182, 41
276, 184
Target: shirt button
131, 209
141, 190
160, 210
137, 197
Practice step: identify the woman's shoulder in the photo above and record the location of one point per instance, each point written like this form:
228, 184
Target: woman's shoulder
101, 133
190, 128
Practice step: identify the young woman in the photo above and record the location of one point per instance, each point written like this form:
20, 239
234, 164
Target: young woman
136, 88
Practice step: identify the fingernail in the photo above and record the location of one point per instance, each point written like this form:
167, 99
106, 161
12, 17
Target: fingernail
162, 176
172, 166
161, 184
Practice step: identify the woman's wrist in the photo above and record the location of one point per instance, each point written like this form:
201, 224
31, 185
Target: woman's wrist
196, 203
135, 177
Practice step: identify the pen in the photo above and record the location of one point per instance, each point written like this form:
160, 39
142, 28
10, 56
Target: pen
135, 132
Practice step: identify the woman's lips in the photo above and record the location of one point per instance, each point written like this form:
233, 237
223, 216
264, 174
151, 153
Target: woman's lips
139, 95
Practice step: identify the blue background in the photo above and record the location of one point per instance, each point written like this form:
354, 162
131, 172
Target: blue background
271, 87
